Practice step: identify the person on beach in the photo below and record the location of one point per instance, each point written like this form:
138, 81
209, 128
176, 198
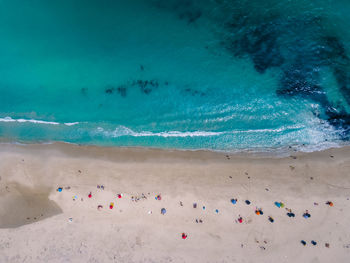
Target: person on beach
259, 211
329, 203
306, 214
279, 204
290, 213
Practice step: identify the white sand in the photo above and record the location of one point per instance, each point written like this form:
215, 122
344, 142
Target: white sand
34, 217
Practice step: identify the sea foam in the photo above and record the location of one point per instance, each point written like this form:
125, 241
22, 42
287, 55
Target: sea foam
9, 119
124, 131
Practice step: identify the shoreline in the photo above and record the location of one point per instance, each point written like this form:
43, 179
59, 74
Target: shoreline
39, 223
280, 152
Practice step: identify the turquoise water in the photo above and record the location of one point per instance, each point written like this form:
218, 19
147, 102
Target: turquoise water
221, 75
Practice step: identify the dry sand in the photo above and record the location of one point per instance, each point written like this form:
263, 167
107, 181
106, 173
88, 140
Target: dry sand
35, 223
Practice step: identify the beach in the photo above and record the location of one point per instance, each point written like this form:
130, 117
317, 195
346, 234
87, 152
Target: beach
56, 200
174, 131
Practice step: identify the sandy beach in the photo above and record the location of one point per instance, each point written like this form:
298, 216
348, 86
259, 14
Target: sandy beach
47, 215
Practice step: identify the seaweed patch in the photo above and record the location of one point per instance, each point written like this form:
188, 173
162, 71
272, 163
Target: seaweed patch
109, 89
146, 86
84, 91
122, 91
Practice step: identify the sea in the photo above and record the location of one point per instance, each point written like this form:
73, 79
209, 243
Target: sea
222, 75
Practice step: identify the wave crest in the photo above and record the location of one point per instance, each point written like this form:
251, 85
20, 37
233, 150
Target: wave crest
124, 131
9, 119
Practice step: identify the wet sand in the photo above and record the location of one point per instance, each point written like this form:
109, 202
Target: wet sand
40, 224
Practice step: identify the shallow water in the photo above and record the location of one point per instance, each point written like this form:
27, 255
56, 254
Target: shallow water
222, 75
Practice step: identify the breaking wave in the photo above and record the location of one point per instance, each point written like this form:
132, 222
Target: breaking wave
124, 131
9, 119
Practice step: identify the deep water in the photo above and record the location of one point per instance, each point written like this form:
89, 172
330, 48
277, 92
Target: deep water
222, 75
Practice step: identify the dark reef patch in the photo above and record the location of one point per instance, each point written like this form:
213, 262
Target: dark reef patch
190, 16
343, 79
261, 45
300, 49
334, 49
186, 10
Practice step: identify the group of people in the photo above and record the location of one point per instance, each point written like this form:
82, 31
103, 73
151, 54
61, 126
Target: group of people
234, 201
